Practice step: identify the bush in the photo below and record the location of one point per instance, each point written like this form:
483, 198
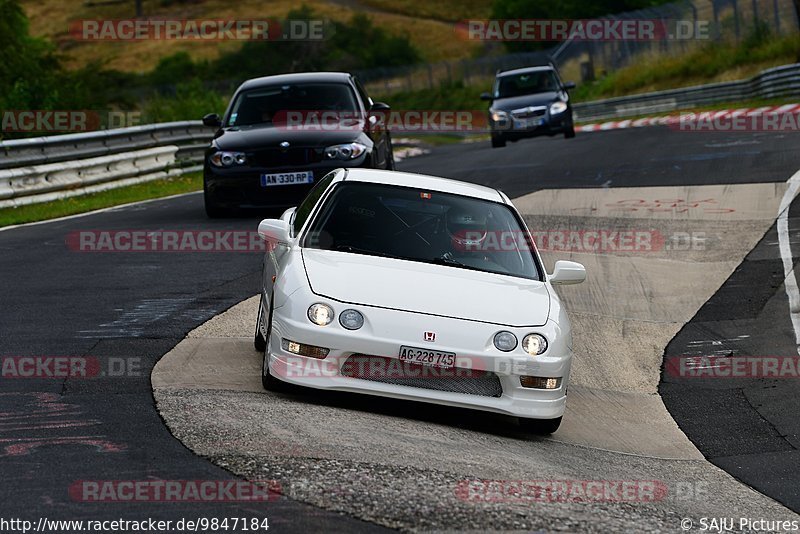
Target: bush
190, 102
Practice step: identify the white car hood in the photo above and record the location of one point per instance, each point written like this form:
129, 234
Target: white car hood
425, 288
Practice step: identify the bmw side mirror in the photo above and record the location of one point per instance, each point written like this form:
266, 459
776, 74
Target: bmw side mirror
274, 231
380, 106
570, 85
567, 272
486, 96
213, 120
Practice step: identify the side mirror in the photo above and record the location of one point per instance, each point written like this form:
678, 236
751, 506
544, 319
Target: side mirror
274, 231
380, 106
213, 120
287, 215
567, 272
486, 96
570, 85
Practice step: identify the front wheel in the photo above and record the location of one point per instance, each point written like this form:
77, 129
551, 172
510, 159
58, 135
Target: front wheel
541, 427
570, 132
269, 382
259, 339
498, 141
213, 211
390, 165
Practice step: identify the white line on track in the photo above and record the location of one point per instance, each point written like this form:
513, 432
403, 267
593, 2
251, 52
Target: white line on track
790, 280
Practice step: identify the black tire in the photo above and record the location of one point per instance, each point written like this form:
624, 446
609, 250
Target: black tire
213, 211
569, 133
390, 166
259, 340
541, 427
498, 141
269, 382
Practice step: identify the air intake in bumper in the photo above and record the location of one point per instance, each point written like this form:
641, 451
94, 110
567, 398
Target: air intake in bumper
393, 371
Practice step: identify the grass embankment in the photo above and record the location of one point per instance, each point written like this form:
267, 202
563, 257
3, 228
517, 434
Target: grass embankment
715, 62
105, 199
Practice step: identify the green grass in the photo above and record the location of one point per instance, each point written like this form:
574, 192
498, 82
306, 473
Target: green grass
446, 10
707, 64
453, 96
105, 199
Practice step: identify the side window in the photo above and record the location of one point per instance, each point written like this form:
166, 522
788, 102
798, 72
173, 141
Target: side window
305, 209
362, 93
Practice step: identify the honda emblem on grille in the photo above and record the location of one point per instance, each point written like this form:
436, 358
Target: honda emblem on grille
284, 146
430, 336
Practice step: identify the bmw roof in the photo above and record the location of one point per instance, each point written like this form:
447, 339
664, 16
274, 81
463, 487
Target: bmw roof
297, 77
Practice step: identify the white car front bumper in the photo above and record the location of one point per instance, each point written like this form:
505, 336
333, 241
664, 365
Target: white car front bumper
484, 378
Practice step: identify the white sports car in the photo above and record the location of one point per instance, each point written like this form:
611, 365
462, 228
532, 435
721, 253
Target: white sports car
418, 288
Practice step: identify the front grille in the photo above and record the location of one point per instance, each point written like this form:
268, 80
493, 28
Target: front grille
275, 157
393, 371
527, 113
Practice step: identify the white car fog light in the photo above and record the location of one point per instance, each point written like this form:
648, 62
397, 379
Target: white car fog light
505, 341
351, 319
304, 350
534, 344
539, 382
320, 314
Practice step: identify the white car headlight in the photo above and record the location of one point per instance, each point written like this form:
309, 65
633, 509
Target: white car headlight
505, 341
320, 314
351, 319
345, 152
534, 344
227, 159
498, 115
558, 107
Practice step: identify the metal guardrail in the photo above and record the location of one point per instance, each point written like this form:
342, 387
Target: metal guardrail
49, 168
191, 136
772, 83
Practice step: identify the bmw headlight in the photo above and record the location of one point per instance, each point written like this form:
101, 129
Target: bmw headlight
351, 319
505, 341
498, 115
228, 159
558, 107
534, 344
320, 314
345, 152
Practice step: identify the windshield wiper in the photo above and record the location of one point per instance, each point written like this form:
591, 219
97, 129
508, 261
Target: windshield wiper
449, 260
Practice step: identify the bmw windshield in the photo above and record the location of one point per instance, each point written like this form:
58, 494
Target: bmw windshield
266, 105
423, 226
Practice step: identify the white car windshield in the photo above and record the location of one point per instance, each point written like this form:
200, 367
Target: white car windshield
424, 226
